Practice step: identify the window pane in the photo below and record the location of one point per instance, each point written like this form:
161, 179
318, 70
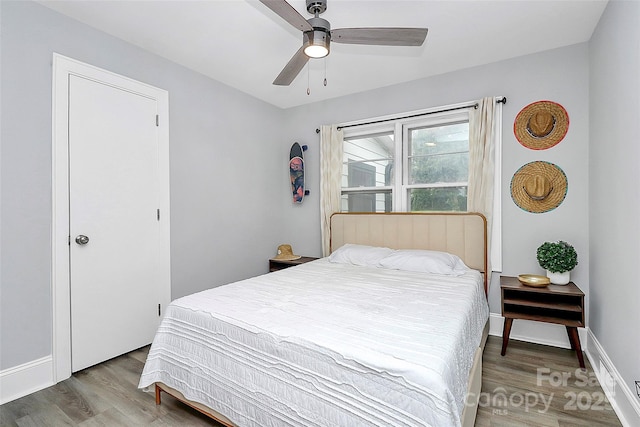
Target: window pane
368, 161
439, 154
366, 201
438, 199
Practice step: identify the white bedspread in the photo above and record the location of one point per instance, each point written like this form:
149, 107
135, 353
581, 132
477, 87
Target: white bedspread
325, 344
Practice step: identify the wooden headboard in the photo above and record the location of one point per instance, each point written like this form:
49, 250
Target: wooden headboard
463, 234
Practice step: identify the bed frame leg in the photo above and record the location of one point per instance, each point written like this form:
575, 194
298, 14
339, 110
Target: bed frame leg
158, 391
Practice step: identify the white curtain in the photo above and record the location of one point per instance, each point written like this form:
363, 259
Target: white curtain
483, 134
330, 179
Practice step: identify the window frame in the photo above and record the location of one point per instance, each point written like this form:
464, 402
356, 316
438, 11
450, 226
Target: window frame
400, 128
369, 131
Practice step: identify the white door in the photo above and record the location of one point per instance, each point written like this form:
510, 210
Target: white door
114, 226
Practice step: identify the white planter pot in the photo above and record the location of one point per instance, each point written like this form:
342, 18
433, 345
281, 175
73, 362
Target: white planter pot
559, 278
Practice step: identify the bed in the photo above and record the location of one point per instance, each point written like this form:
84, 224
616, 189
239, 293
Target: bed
354, 339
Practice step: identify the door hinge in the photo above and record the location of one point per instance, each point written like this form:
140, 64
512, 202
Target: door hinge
158, 310
69, 240
157, 120
158, 214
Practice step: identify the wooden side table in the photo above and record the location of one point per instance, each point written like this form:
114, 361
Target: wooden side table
279, 264
563, 305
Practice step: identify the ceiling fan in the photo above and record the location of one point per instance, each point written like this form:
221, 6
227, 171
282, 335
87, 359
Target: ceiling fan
317, 36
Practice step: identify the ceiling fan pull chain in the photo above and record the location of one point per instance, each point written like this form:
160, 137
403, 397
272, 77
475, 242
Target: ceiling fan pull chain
325, 71
308, 88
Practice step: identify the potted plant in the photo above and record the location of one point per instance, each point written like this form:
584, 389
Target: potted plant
558, 258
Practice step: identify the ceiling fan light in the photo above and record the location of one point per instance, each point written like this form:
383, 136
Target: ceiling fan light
316, 44
314, 51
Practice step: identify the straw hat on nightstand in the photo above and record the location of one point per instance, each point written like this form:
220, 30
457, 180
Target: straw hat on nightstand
285, 253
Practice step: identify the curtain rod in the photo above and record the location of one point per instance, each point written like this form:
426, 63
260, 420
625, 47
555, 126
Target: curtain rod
475, 106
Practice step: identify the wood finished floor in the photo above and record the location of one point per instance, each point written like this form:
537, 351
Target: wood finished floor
513, 394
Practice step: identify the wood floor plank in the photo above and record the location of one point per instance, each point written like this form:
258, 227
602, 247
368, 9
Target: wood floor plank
532, 385
541, 386
112, 417
50, 415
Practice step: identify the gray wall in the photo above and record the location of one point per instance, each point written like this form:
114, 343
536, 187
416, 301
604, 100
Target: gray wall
226, 170
614, 186
559, 75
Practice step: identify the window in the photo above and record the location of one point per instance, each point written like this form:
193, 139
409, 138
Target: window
367, 173
407, 165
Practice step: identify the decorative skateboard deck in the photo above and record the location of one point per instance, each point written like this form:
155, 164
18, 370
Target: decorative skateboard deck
296, 172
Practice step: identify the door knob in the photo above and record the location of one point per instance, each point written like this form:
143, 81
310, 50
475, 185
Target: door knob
82, 240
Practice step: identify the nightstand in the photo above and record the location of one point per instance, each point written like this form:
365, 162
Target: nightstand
561, 304
279, 264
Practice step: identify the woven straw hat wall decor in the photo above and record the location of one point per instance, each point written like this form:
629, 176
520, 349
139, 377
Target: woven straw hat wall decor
539, 187
541, 125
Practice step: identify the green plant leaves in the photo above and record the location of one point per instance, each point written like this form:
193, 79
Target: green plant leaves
557, 257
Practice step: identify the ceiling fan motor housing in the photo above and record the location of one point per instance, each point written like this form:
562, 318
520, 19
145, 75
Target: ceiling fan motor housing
320, 36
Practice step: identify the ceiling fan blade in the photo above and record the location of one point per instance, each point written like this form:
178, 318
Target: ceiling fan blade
380, 36
288, 13
292, 69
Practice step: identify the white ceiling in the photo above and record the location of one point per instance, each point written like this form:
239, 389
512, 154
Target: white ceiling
245, 45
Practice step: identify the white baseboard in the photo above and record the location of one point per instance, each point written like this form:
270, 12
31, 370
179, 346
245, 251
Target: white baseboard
620, 396
25, 379
535, 332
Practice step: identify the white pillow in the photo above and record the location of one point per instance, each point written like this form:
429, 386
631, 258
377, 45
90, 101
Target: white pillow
424, 261
359, 255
